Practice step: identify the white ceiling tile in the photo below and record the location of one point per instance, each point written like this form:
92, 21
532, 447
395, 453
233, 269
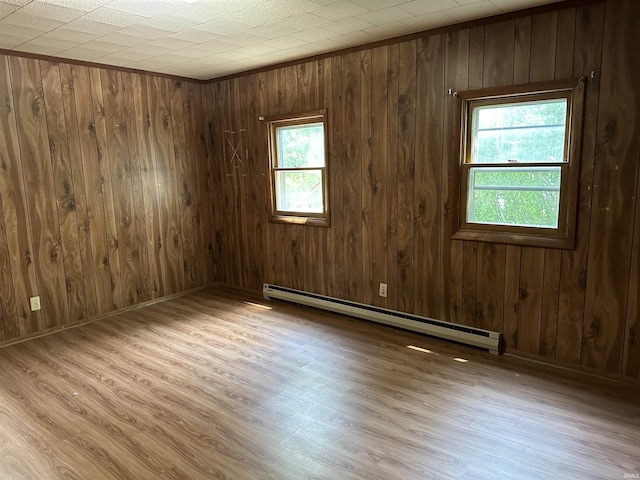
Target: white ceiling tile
124, 39
388, 30
348, 25
21, 19
223, 27
104, 47
431, 20
113, 17
6, 9
18, 3
422, 7
354, 38
324, 45
10, 41
270, 12
256, 50
241, 40
379, 4
112, 60
174, 59
471, 11
39, 49
151, 63
21, 32
273, 30
75, 36
201, 12
312, 34
126, 56
86, 25
192, 53
229, 56
47, 41
144, 8
339, 10
282, 43
149, 50
169, 23
84, 5
82, 53
143, 31
214, 46
510, 5
303, 21
171, 43
386, 15
53, 12
193, 35
324, 2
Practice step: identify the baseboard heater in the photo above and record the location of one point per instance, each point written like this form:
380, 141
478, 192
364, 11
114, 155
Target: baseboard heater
476, 337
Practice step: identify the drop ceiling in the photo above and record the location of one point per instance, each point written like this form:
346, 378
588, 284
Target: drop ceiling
212, 38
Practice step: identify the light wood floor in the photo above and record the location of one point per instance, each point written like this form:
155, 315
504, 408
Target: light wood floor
209, 386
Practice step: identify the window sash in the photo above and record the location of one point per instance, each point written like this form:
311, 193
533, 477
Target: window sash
286, 216
511, 228
472, 105
562, 237
277, 188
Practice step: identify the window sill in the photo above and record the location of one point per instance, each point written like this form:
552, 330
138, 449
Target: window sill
545, 241
293, 220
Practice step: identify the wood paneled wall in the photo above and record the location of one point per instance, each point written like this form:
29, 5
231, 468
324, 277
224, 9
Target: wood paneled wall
104, 194
391, 182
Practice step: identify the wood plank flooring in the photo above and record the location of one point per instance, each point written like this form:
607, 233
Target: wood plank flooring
222, 385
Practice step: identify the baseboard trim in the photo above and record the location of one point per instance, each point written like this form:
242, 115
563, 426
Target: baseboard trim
570, 367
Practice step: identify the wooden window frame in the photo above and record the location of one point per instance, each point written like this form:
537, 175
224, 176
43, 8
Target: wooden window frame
284, 216
562, 237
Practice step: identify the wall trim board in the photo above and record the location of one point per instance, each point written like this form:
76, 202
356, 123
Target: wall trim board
114, 313
549, 7
105, 66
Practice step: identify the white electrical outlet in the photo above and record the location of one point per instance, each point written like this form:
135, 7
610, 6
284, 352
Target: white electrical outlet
383, 290
35, 303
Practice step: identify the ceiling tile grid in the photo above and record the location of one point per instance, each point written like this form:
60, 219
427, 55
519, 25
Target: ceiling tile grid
211, 38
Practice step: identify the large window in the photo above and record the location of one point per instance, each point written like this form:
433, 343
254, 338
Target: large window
520, 162
298, 168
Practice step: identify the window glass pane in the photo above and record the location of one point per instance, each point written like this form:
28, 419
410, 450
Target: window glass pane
519, 132
524, 196
301, 146
299, 191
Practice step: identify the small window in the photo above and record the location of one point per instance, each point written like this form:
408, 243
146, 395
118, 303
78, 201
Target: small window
298, 168
520, 160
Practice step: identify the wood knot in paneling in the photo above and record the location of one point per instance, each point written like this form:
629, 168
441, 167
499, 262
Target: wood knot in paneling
594, 328
610, 130
53, 254
523, 292
68, 203
35, 106
7, 105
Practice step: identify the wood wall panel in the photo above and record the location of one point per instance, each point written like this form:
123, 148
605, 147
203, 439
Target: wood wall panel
430, 97
80, 215
615, 187
390, 139
40, 191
